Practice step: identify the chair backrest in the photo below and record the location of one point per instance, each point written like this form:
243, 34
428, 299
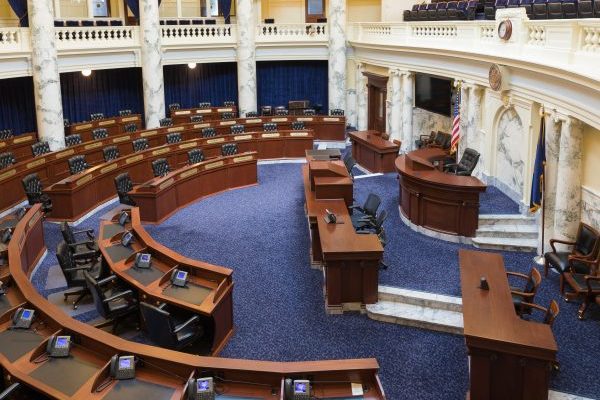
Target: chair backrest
280, 110
110, 153
123, 184
67, 233
297, 125
204, 104
124, 113
442, 6
77, 164
270, 127
33, 188
174, 106
72, 140
174, 137
587, 242
227, 115
209, 132
468, 161
309, 111
196, 118
381, 217
166, 122
40, 148
372, 204
6, 134
266, 110
7, 159
130, 128
160, 167
97, 294
336, 111
452, 5
140, 144
66, 122
100, 133
96, 116
551, 313
159, 325
251, 114
533, 282
228, 103
349, 162
229, 149
63, 257
195, 156
237, 129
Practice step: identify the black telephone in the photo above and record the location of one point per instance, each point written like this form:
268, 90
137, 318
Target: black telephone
6, 236
2, 289
296, 389
122, 367
123, 218
22, 318
200, 389
179, 277
330, 217
58, 346
127, 238
143, 260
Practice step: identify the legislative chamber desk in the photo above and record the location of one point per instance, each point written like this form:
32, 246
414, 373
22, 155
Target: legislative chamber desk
114, 126
161, 197
182, 116
509, 358
19, 145
350, 261
160, 374
373, 152
436, 200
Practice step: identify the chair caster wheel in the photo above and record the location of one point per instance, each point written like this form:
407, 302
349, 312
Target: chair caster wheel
75, 307
566, 299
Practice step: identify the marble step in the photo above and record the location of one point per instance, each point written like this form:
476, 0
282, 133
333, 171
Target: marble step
508, 244
506, 219
508, 231
417, 298
417, 316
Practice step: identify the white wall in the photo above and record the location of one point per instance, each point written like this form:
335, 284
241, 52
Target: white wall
364, 10
7, 16
391, 10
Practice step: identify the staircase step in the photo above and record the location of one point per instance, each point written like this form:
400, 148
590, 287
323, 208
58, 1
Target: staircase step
508, 231
417, 316
509, 244
504, 219
417, 298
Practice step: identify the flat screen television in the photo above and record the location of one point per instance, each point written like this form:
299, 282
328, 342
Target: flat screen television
433, 94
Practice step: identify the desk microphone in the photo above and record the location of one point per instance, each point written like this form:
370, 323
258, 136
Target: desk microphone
483, 284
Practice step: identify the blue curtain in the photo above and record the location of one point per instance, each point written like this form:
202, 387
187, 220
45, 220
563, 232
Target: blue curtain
215, 82
134, 6
225, 10
105, 91
281, 81
20, 8
17, 105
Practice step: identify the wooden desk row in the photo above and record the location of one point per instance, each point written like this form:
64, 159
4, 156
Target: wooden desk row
208, 114
160, 373
114, 126
19, 145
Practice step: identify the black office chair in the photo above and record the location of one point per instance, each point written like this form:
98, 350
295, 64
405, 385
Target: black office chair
298, 125
167, 331
124, 113
209, 132
96, 116
228, 115
173, 138
229, 149
229, 104
130, 128
160, 167
174, 107
370, 224
140, 144
77, 164
237, 129
204, 104
100, 133
7, 159
40, 148
251, 114
33, 189
72, 140
196, 118
110, 153
336, 112
79, 247
266, 111
66, 122
467, 164
6, 134
165, 122
309, 111
124, 185
113, 302
281, 111
270, 127
195, 156
368, 209
73, 268
350, 163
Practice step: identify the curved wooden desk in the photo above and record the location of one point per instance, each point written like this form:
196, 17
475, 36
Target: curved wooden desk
183, 115
373, 152
19, 145
114, 126
436, 200
160, 374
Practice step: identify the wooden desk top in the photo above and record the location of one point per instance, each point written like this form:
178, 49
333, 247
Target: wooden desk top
104, 122
490, 320
374, 140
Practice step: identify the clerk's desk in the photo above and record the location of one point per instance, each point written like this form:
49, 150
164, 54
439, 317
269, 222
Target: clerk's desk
372, 151
436, 200
509, 358
160, 374
350, 261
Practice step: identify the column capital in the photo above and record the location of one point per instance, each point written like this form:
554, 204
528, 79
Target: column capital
405, 72
360, 66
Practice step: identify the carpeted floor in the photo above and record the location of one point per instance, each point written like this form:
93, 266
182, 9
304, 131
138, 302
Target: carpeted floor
262, 234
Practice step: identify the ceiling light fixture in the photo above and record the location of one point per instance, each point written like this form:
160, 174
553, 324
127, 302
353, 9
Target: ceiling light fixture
192, 65
86, 72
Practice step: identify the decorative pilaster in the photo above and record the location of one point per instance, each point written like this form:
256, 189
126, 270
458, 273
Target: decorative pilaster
152, 73
407, 99
337, 54
474, 138
550, 178
395, 106
246, 57
361, 98
46, 78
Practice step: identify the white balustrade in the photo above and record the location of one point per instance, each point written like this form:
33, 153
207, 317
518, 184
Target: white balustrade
292, 33
488, 32
175, 35
537, 35
69, 38
14, 40
590, 38
435, 31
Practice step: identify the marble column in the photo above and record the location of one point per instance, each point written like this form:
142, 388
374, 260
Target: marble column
362, 93
337, 54
567, 213
553, 127
474, 138
208, 7
407, 99
246, 57
152, 72
395, 106
46, 78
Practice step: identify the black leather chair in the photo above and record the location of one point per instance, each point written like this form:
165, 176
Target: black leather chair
124, 113
87, 22
251, 114
432, 11
281, 110
66, 122
370, 224
229, 149
228, 115
441, 13
422, 13
209, 132
309, 111
467, 163
555, 9
337, 112
270, 127
113, 301
569, 9
368, 209
165, 122
140, 144
525, 293
96, 116
73, 140
7, 159
350, 163
33, 189
195, 156
160, 167
204, 104
266, 111
406, 13
298, 125
6, 134
72, 23
100, 133
540, 9
174, 107
88, 246
130, 128
124, 185
72, 268
40, 148
174, 137
196, 118
237, 129
165, 330
451, 10
528, 6
110, 153
229, 104
77, 164
585, 8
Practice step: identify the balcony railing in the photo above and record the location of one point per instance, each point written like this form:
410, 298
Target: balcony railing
96, 37
272, 33
14, 40
175, 35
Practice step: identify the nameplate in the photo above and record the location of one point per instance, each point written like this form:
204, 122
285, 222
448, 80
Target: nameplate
104, 123
214, 165
242, 137
253, 121
176, 129
109, 168
22, 139
327, 119
7, 174
166, 184
188, 145
81, 127
34, 219
204, 111
224, 109
129, 119
224, 123
121, 139
2, 144
217, 140
242, 159
148, 133
305, 119
93, 145
270, 135
134, 159
279, 119
298, 134
84, 180
161, 151
184, 112
191, 172
65, 153
36, 163
201, 126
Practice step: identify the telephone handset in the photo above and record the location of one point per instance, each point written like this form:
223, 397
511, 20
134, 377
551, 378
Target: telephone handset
200, 389
22, 318
179, 278
143, 260
58, 346
330, 217
122, 367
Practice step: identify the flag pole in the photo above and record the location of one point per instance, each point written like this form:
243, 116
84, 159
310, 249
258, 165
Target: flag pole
539, 259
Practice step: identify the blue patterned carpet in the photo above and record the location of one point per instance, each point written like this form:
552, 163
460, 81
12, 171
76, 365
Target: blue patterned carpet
262, 234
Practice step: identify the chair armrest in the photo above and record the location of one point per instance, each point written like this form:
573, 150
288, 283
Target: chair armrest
88, 232
450, 165
106, 280
588, 280
552, 241
162, 306
119, 295
84, 255
83, 242
517, 274
522, 294
181, 326
365, 232
83, 267
6, 393
536, 306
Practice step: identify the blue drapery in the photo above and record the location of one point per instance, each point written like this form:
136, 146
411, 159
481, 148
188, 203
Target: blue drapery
215, 82
134, 6
281, 81
20, 8
105, 91
17, 105
225, 10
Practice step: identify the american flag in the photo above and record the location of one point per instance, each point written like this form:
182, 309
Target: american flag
456, 123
